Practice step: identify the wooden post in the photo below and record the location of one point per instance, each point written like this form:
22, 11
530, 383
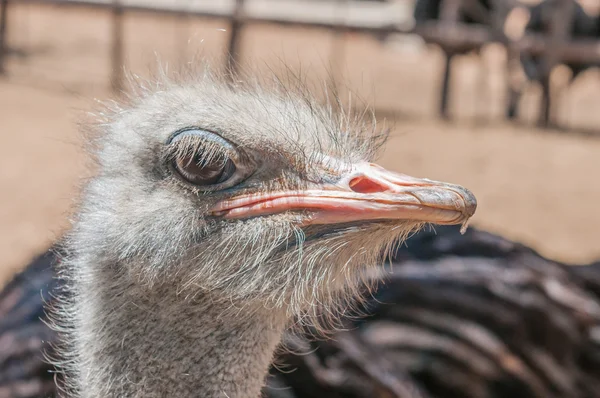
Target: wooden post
560, 30
515, 82
3, 23
233, 62
445, 89
182, 43
338, 49
117, 57
512, 69
449, 11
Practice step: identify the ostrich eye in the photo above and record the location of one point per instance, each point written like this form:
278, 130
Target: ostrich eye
207, 160
203, 172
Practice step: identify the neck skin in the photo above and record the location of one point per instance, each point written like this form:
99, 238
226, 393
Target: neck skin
137, 341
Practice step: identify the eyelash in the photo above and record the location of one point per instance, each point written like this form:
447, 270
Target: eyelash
187, 142
207, 147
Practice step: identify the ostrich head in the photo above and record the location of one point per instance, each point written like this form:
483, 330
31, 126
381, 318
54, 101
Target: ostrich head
255, 199
256, 195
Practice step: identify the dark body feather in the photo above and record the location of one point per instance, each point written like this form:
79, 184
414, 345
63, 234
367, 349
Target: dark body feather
466, 316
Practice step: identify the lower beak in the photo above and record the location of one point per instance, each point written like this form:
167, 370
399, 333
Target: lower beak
368, 193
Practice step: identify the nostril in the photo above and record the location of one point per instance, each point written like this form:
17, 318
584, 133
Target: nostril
366, 185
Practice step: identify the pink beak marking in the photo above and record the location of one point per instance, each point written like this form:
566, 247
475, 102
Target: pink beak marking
369, 192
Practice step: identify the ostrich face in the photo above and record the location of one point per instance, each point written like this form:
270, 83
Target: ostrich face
253, 195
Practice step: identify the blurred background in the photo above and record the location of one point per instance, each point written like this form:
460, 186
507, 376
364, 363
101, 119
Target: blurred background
500, 96
534, 168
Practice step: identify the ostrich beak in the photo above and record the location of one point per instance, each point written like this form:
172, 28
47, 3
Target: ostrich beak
369, 192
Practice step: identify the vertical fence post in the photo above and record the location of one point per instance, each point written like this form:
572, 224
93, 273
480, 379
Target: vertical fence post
232, 62
3, 23
514, 84
560, 30
449, 10
183, 43
117, 58
445, 89
338, 46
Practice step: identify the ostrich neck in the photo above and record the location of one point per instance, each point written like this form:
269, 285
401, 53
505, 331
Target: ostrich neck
151, 342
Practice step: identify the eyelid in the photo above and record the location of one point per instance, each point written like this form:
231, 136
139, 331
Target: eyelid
196, 138
199, 132
245, 164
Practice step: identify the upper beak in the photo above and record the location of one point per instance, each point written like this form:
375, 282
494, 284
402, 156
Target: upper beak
369, 192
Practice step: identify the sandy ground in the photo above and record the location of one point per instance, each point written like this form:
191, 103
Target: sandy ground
538, 187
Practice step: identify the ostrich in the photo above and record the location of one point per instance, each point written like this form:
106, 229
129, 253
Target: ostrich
220, 215
460, 316
463, 316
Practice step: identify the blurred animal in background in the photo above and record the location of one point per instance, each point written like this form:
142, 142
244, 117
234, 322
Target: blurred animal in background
466, 316
24, 334
543, 17
487, 13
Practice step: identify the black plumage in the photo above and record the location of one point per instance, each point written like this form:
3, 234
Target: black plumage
466, 316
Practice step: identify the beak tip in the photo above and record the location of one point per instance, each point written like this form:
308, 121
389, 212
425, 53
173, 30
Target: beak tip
470, 203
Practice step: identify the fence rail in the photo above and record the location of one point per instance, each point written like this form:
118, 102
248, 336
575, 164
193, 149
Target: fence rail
375, 18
